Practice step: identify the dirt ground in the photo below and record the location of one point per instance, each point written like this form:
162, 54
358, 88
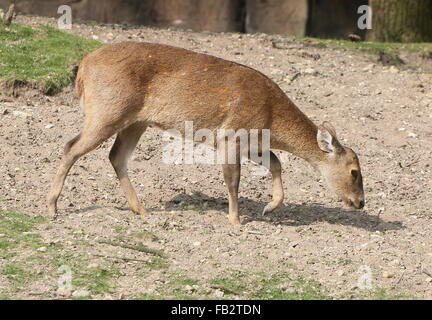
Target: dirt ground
382, 112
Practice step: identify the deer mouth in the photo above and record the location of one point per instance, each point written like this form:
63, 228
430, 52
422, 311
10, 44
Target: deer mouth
352, 204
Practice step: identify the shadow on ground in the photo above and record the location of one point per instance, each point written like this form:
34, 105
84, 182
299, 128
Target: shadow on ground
286, 214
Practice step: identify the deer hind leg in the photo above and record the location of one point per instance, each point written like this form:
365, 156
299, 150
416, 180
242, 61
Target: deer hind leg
123, 147
90, 137
277, 188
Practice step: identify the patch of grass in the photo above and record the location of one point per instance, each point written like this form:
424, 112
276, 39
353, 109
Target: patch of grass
281, 287
147, 296
343, 261
145, 235
121, 242
382, 294
387, 47
41, 55
97, 280
119, 229
182, 280
234, 283
17, 274
156, 264
174, 288
15, 230
273, 287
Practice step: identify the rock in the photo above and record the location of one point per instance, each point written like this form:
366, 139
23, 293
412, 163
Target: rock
369, 67
219, 293
290, 290
21, 114
64, 292
394, 263
197, 244
393, 69
412, 135
49, 126
42, 249
293, 244
81, 293
190, 289
310, 71
388, 275
340, 273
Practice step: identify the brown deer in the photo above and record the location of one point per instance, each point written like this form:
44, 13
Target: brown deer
126, 87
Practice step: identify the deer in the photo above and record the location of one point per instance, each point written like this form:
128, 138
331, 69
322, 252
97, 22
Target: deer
124, 88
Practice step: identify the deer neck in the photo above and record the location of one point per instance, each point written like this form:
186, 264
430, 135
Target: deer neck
294, 132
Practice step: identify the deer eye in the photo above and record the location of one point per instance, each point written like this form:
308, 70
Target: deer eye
355, 173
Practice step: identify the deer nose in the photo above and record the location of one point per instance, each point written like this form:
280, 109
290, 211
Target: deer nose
361, 204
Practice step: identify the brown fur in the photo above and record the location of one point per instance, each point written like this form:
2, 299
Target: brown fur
128, 86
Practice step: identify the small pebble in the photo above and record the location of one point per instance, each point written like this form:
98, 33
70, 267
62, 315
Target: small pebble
340, 273
81, 293
63, 292
310, 71
219, 293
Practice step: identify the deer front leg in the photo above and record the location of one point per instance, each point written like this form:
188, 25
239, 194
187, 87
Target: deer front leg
278, 194
231, 174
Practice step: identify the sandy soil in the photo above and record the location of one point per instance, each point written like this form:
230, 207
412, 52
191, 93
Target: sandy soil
382, 112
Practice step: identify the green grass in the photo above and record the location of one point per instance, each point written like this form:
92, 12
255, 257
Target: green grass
97, 280
42, 55
15, 228
147, 296
17, 275
156, 263
273, 287
145, 235
382, 294
175, 288
387, 47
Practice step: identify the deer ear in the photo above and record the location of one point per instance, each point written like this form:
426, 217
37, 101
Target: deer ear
327, 140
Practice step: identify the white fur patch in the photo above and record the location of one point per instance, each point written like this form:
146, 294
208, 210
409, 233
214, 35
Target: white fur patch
82, 104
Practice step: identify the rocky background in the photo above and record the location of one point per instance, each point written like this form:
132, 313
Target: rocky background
320, 18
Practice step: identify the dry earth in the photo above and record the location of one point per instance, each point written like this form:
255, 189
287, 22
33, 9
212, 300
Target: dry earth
383, 113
